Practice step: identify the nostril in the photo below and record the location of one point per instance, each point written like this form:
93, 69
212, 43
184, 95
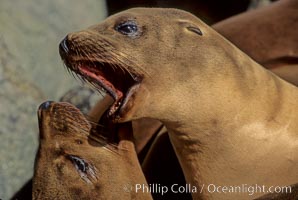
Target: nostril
45, 105
64, 45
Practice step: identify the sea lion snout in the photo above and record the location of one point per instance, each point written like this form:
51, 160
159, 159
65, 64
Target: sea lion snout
45, 105
42, 108
68, 47
60, 118
77, 162
64, 46
44, 118
94, 58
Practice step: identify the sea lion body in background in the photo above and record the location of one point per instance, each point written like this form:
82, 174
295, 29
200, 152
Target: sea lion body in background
73, 163
268, 35
226, 115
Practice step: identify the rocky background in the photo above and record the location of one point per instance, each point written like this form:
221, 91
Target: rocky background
31, 72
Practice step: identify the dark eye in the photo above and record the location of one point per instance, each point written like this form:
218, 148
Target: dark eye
129, 28
79, 163
86, 171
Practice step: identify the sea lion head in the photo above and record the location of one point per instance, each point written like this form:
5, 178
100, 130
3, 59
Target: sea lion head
74, 163
139, 56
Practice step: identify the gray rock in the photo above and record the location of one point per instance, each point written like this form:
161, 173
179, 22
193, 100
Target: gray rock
31, 72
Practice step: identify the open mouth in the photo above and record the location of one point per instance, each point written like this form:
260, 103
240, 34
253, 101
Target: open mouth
115, 80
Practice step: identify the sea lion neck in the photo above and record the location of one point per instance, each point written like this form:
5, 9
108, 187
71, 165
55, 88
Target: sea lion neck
234, 123
227, 111
218, 91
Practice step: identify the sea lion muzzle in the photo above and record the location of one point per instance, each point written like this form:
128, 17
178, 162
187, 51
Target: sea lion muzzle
45, 105
76, 162
63, 46
97, 61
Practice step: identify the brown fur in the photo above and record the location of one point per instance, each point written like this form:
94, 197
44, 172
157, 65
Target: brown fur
230, 120
65, 132
269, 38
293, 195
268, 35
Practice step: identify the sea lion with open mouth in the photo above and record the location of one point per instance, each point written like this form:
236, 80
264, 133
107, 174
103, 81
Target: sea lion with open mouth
231, 121
74, 162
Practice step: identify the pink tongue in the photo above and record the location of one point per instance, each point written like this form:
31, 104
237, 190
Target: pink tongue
104, 81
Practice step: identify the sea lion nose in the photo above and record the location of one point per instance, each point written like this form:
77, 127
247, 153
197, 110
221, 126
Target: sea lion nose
45, 105
64, 46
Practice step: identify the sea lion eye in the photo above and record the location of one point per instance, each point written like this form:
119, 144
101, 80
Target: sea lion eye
129, 28
86, 170
79, 163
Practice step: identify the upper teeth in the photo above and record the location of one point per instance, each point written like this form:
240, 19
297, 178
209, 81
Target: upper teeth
104, 90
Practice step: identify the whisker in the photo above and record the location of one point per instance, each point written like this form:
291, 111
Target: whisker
89, 118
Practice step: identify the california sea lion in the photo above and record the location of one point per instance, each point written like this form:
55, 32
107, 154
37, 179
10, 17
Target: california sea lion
229, 119
269, 38
75, 163
267, 34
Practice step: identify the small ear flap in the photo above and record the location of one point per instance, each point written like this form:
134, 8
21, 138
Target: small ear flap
195, 30
190, 27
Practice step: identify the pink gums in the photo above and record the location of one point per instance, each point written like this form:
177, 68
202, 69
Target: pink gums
102, 80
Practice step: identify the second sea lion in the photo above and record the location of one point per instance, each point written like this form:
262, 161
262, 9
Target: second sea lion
73, 162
